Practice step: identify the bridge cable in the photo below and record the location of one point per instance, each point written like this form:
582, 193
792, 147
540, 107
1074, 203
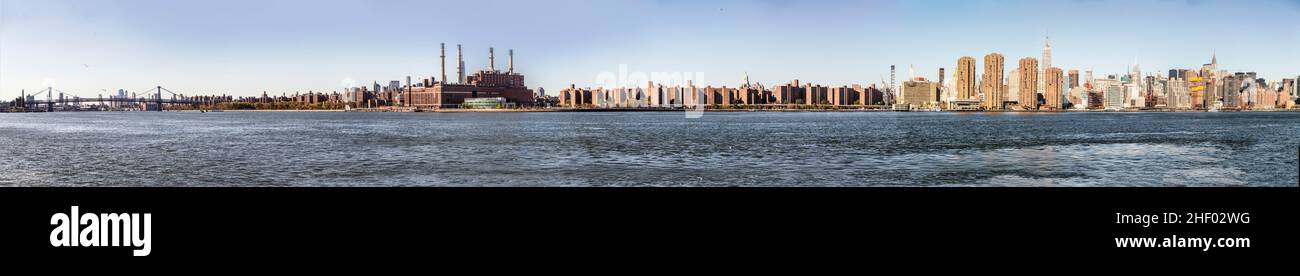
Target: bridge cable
66, 93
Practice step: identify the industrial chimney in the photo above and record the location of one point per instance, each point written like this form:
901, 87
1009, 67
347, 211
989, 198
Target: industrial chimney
442, 59
460, 66
511, 61
492, 63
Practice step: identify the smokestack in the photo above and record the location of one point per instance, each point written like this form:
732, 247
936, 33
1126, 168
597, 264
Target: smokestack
442, 59
511, 61
460, 66
492, 63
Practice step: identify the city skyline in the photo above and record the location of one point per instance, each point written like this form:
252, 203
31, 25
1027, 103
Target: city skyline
283, 47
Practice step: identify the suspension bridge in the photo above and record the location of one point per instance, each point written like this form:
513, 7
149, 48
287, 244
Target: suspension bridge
149, 102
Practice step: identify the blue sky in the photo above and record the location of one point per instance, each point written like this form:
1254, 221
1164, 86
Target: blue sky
244, 47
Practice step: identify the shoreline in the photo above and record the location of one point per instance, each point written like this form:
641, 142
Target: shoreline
525, 110
579, 110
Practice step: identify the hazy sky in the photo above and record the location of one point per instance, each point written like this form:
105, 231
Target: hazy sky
244, 47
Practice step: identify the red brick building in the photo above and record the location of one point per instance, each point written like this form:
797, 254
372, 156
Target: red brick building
483, 84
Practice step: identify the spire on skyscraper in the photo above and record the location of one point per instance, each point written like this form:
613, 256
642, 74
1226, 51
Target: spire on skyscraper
1047, 51
1214, 60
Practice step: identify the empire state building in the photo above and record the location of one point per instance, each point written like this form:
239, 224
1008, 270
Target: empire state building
1047, 53
1047, 63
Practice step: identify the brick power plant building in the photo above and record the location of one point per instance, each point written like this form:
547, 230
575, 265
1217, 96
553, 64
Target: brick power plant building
487, 83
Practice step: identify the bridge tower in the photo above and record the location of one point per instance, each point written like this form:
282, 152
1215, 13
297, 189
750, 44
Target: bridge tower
49, 99
159, 98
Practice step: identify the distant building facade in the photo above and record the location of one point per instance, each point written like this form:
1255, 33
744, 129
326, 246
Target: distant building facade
1028, 83
994, 90
920, 93
1052, 93
965, 79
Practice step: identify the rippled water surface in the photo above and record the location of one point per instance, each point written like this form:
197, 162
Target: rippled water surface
649, 148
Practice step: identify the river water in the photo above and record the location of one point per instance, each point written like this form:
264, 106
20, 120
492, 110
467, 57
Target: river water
649, 149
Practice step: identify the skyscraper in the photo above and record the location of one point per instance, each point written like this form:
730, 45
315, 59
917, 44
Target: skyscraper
891, 78
1075, 93
994, 91
1028, 83
1052, 94
1074, 78
1232, 88
1047, 52
1179, 98
1046, 63
1134, 89
965, 85
1214, 61
1114, 95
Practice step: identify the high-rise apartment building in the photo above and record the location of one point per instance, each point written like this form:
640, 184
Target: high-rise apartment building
1179, 95
994, 91
1052, 94
965, 85
1232, 90
1028, 83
